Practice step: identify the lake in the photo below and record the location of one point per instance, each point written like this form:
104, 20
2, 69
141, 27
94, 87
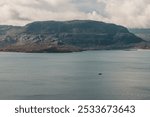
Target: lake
63, 76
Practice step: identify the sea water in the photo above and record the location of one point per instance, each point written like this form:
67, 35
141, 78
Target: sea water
88, 75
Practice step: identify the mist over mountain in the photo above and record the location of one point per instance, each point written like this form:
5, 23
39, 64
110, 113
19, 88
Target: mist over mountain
66, 36
142, 33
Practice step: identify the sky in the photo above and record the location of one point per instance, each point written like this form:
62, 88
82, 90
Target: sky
129, 13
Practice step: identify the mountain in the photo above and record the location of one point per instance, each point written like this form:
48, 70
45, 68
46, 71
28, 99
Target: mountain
142, 33
66, 36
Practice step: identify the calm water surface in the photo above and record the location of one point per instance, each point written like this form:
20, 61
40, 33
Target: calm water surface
125, 75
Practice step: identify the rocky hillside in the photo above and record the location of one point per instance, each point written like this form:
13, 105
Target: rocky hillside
67, 36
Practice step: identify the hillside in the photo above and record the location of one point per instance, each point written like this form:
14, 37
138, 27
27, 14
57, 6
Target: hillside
142, 33
66, 36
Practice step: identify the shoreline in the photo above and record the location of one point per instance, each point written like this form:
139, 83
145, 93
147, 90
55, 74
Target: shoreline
59, 52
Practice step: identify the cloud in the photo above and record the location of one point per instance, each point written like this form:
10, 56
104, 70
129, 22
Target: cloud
130, 13
20, 12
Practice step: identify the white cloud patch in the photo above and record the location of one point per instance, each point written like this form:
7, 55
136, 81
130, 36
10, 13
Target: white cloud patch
130, 13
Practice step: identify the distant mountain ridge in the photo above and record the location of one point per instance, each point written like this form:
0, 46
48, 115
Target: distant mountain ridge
142, 33
66, 36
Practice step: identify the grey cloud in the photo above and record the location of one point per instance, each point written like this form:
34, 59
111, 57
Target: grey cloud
16, 16
130, 13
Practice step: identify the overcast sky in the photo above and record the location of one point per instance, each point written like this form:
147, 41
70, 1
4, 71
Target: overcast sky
130, 13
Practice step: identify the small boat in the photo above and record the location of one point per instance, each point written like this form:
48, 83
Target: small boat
99, 73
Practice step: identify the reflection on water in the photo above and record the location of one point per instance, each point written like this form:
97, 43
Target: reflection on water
125, 75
